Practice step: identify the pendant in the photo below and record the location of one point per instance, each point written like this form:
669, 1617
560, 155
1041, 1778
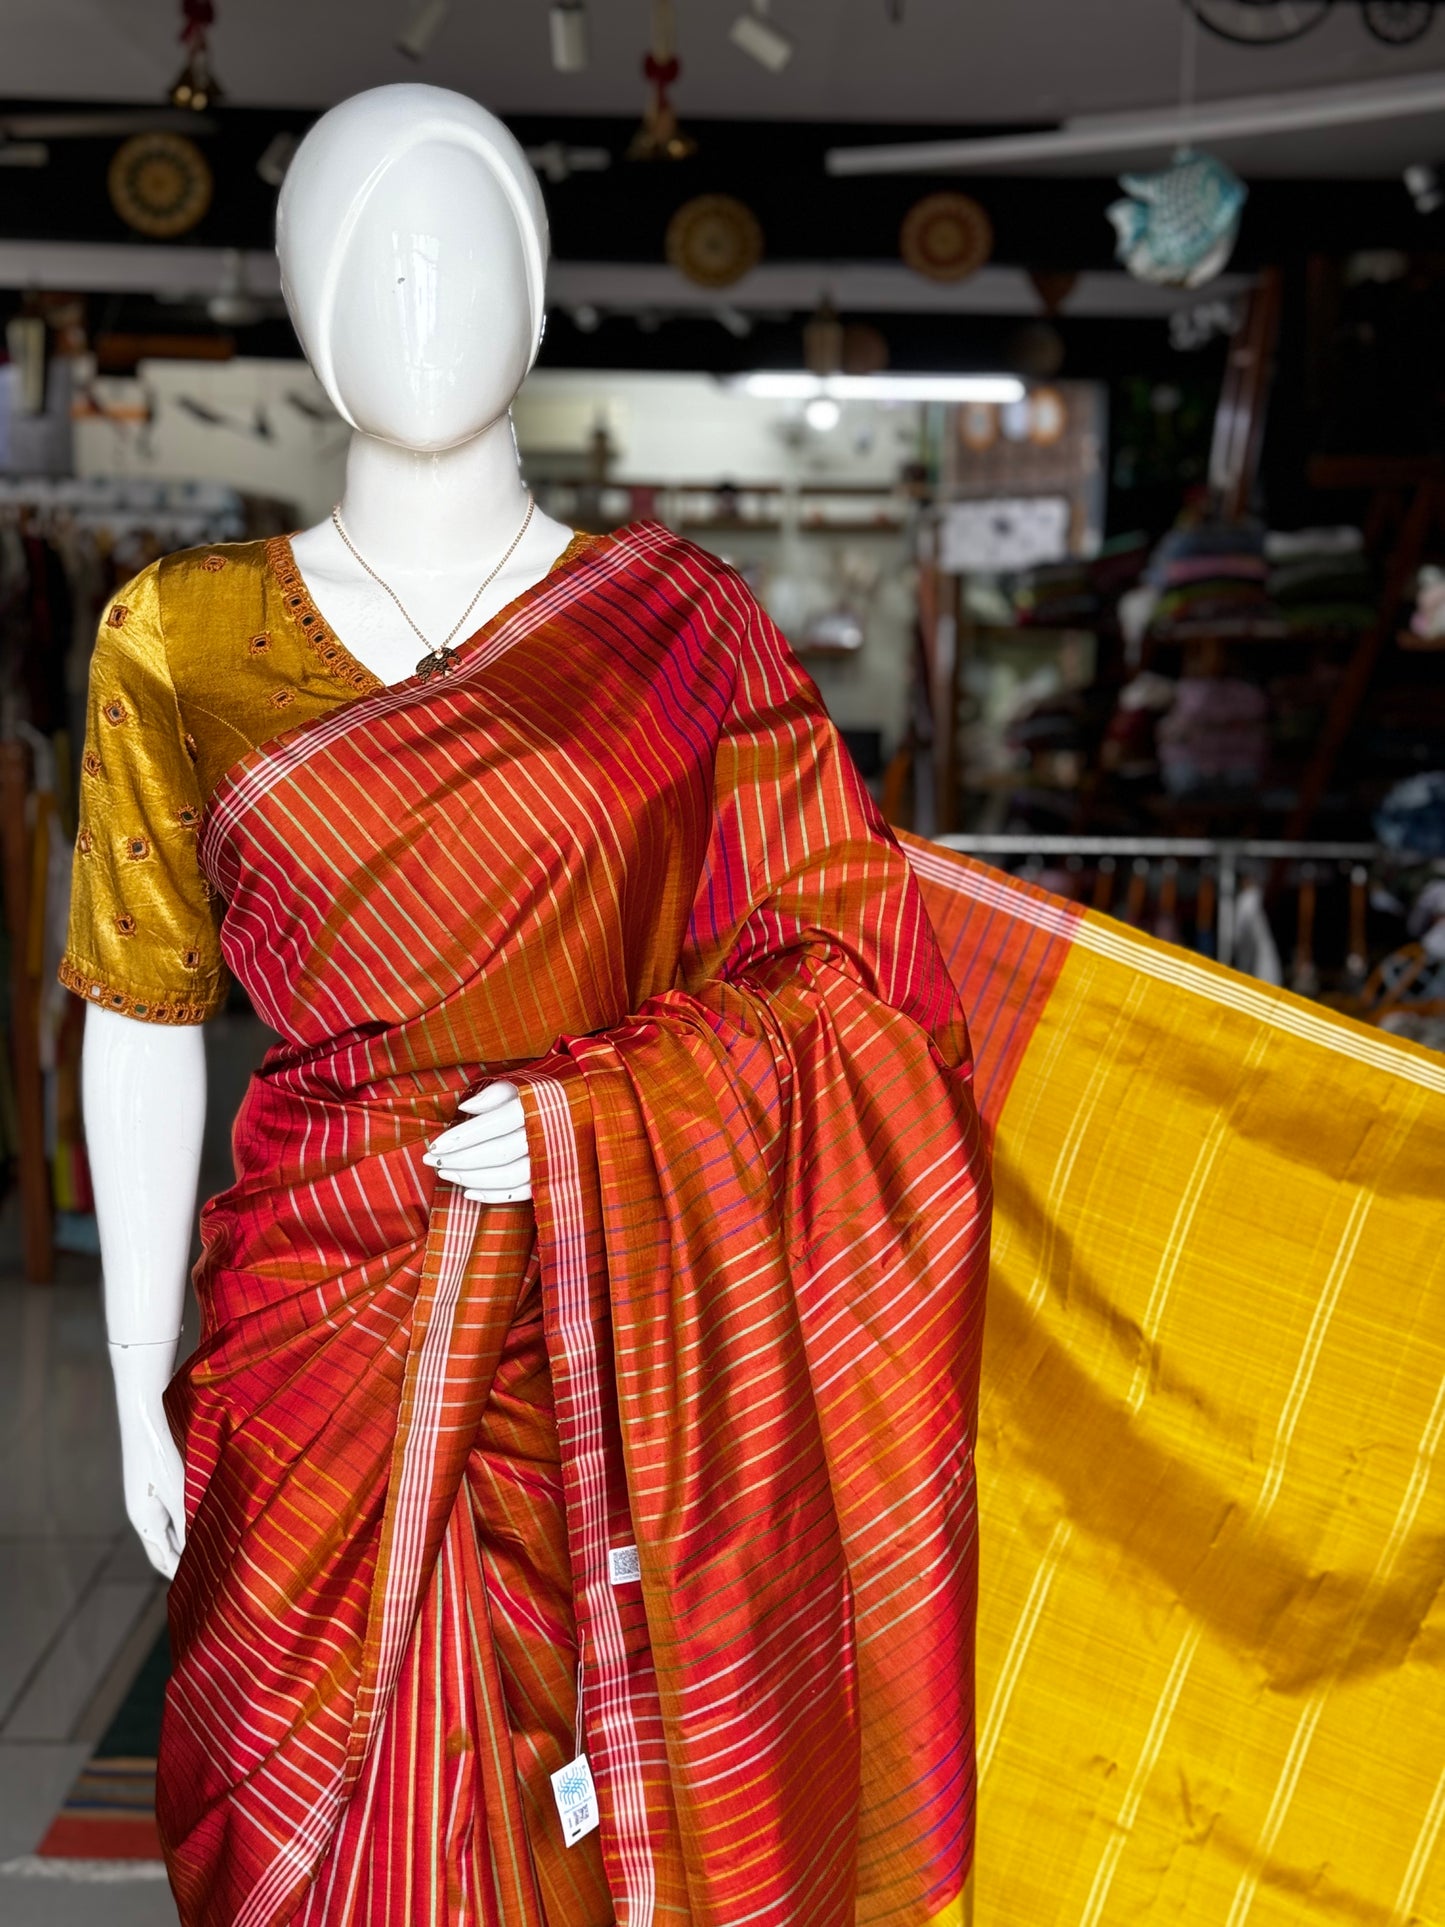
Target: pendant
438, 663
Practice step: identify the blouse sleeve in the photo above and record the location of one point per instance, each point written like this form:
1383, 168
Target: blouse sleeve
144, 921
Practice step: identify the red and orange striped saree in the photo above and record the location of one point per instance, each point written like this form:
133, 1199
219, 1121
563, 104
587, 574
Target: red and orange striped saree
693, 1431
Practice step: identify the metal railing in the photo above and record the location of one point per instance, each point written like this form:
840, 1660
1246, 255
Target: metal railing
1228, 859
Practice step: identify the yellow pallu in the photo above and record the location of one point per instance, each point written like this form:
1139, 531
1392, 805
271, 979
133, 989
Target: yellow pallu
1212, 1488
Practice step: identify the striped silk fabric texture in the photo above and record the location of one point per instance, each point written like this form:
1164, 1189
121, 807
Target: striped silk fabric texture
695, 1428
1212, 1625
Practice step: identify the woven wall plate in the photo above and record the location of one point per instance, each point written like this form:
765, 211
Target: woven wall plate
714, 240
945, 237
160, 184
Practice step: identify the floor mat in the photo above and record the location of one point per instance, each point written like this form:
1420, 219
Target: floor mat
110, 1812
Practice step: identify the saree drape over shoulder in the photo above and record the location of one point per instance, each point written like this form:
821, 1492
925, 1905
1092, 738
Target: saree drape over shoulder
695, 1427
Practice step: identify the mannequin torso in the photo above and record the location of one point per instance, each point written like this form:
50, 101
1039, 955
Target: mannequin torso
412, 243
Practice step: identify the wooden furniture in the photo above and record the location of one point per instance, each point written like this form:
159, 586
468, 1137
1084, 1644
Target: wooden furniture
16, 858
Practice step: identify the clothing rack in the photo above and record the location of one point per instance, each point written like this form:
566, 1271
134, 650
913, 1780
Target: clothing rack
1224, 864
66, 543
37, 1240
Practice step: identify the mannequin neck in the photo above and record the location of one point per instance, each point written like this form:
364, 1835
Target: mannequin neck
421, 511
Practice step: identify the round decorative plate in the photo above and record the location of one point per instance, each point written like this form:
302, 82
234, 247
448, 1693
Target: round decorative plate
714, 240
160, 184
945, 237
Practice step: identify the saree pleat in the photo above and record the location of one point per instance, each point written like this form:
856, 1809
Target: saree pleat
692, 1431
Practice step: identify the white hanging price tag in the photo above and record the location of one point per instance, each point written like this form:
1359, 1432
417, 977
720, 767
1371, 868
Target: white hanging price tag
624, 1568
576, 1799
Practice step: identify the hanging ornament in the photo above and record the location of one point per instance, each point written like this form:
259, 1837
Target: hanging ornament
714, 240
195, 85
823, 336
1179, 226
945, 237
1053, 286
160, 184
865, 349
1036, 349
659, 138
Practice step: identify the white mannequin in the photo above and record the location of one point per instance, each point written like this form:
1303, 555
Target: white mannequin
413, 241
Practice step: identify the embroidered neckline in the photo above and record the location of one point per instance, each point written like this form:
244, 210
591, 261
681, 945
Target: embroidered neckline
332, 653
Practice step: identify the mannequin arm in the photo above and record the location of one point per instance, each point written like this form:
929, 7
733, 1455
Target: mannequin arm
486, 1154
145, 1109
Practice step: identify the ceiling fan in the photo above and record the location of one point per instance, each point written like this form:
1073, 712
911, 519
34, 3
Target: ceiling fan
1270, 23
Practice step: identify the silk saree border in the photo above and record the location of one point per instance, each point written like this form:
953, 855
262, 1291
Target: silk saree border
254, 775
1088, 930
1215, 1302
609, 1657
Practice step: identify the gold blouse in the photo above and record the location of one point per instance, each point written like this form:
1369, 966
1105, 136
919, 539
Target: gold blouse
206, 655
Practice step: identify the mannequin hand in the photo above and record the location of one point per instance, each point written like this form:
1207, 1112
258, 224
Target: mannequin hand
153, 1475
487, 1154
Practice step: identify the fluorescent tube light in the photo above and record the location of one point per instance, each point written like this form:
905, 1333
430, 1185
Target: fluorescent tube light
1251, 115
785, 386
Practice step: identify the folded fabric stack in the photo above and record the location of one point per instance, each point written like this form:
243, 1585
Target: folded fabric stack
1129, 747
1212, 579
1119, 564
1215, 736
1320, 580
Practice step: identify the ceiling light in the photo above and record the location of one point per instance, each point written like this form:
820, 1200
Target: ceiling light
569, 36
738, 324
276, 157
822, 413
420, 30
770, 386
756, 35
560, 163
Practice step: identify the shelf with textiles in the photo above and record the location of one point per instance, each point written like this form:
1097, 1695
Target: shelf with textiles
1252, 635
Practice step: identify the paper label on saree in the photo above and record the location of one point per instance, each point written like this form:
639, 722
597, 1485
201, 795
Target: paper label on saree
576, 1799
624, 1568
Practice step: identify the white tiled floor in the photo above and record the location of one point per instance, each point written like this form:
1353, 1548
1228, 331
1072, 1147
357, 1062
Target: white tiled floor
79, 1605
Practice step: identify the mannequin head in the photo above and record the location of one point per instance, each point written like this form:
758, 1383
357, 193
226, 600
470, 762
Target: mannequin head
413, 246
